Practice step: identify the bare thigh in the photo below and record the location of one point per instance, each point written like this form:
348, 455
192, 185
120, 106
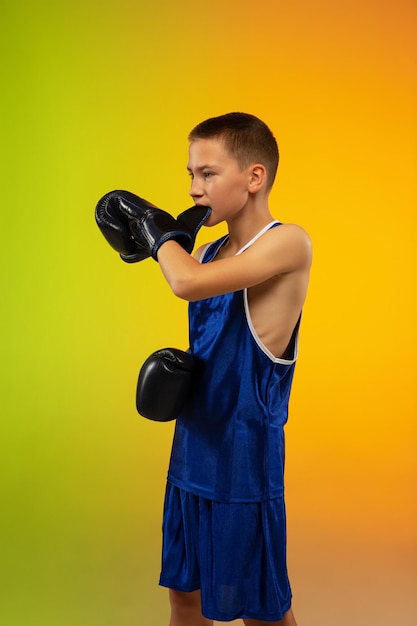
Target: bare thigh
186, 609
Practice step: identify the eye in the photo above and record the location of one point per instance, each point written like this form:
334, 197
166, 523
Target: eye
207, 174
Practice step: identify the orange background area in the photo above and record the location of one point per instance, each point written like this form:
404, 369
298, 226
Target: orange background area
101, 95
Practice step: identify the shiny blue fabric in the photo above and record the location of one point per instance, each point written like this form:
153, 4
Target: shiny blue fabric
234, 553
229, 439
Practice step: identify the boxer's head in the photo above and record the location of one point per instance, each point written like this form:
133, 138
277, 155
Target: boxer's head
245, 137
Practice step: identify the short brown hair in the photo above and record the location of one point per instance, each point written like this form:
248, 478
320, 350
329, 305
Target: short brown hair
246, 138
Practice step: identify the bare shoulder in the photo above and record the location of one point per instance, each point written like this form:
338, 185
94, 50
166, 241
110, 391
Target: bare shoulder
291, 232
288, 241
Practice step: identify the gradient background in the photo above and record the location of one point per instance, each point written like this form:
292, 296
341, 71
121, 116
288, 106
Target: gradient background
100, 95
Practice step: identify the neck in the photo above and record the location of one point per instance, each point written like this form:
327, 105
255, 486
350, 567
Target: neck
244, 226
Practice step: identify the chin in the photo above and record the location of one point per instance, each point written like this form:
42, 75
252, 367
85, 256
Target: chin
213, 220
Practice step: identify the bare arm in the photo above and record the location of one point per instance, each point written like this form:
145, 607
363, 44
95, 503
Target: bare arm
280, 251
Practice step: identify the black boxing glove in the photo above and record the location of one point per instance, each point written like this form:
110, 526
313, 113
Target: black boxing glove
192, 220
164, 383
114, 225
151, 227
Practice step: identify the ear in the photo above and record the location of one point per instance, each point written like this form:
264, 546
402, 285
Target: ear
257, 177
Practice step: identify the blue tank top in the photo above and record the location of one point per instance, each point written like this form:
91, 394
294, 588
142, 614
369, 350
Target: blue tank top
229, 439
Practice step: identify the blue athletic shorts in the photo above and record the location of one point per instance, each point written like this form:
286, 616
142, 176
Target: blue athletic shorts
234, 553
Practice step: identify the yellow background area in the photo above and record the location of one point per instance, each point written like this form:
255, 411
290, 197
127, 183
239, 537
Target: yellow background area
101, 95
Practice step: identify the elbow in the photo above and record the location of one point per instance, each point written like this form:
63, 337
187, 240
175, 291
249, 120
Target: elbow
184, 289
179, 289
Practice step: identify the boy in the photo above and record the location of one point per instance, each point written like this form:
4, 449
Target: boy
224, 546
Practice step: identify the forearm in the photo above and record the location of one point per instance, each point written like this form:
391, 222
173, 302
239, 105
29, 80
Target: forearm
179, 268
281, 251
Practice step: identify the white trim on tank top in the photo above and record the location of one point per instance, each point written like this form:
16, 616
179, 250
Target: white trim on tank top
254, 334
226, 237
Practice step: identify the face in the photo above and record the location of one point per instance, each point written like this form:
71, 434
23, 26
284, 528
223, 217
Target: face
217, 180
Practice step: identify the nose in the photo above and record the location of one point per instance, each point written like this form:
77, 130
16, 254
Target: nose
195, 190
